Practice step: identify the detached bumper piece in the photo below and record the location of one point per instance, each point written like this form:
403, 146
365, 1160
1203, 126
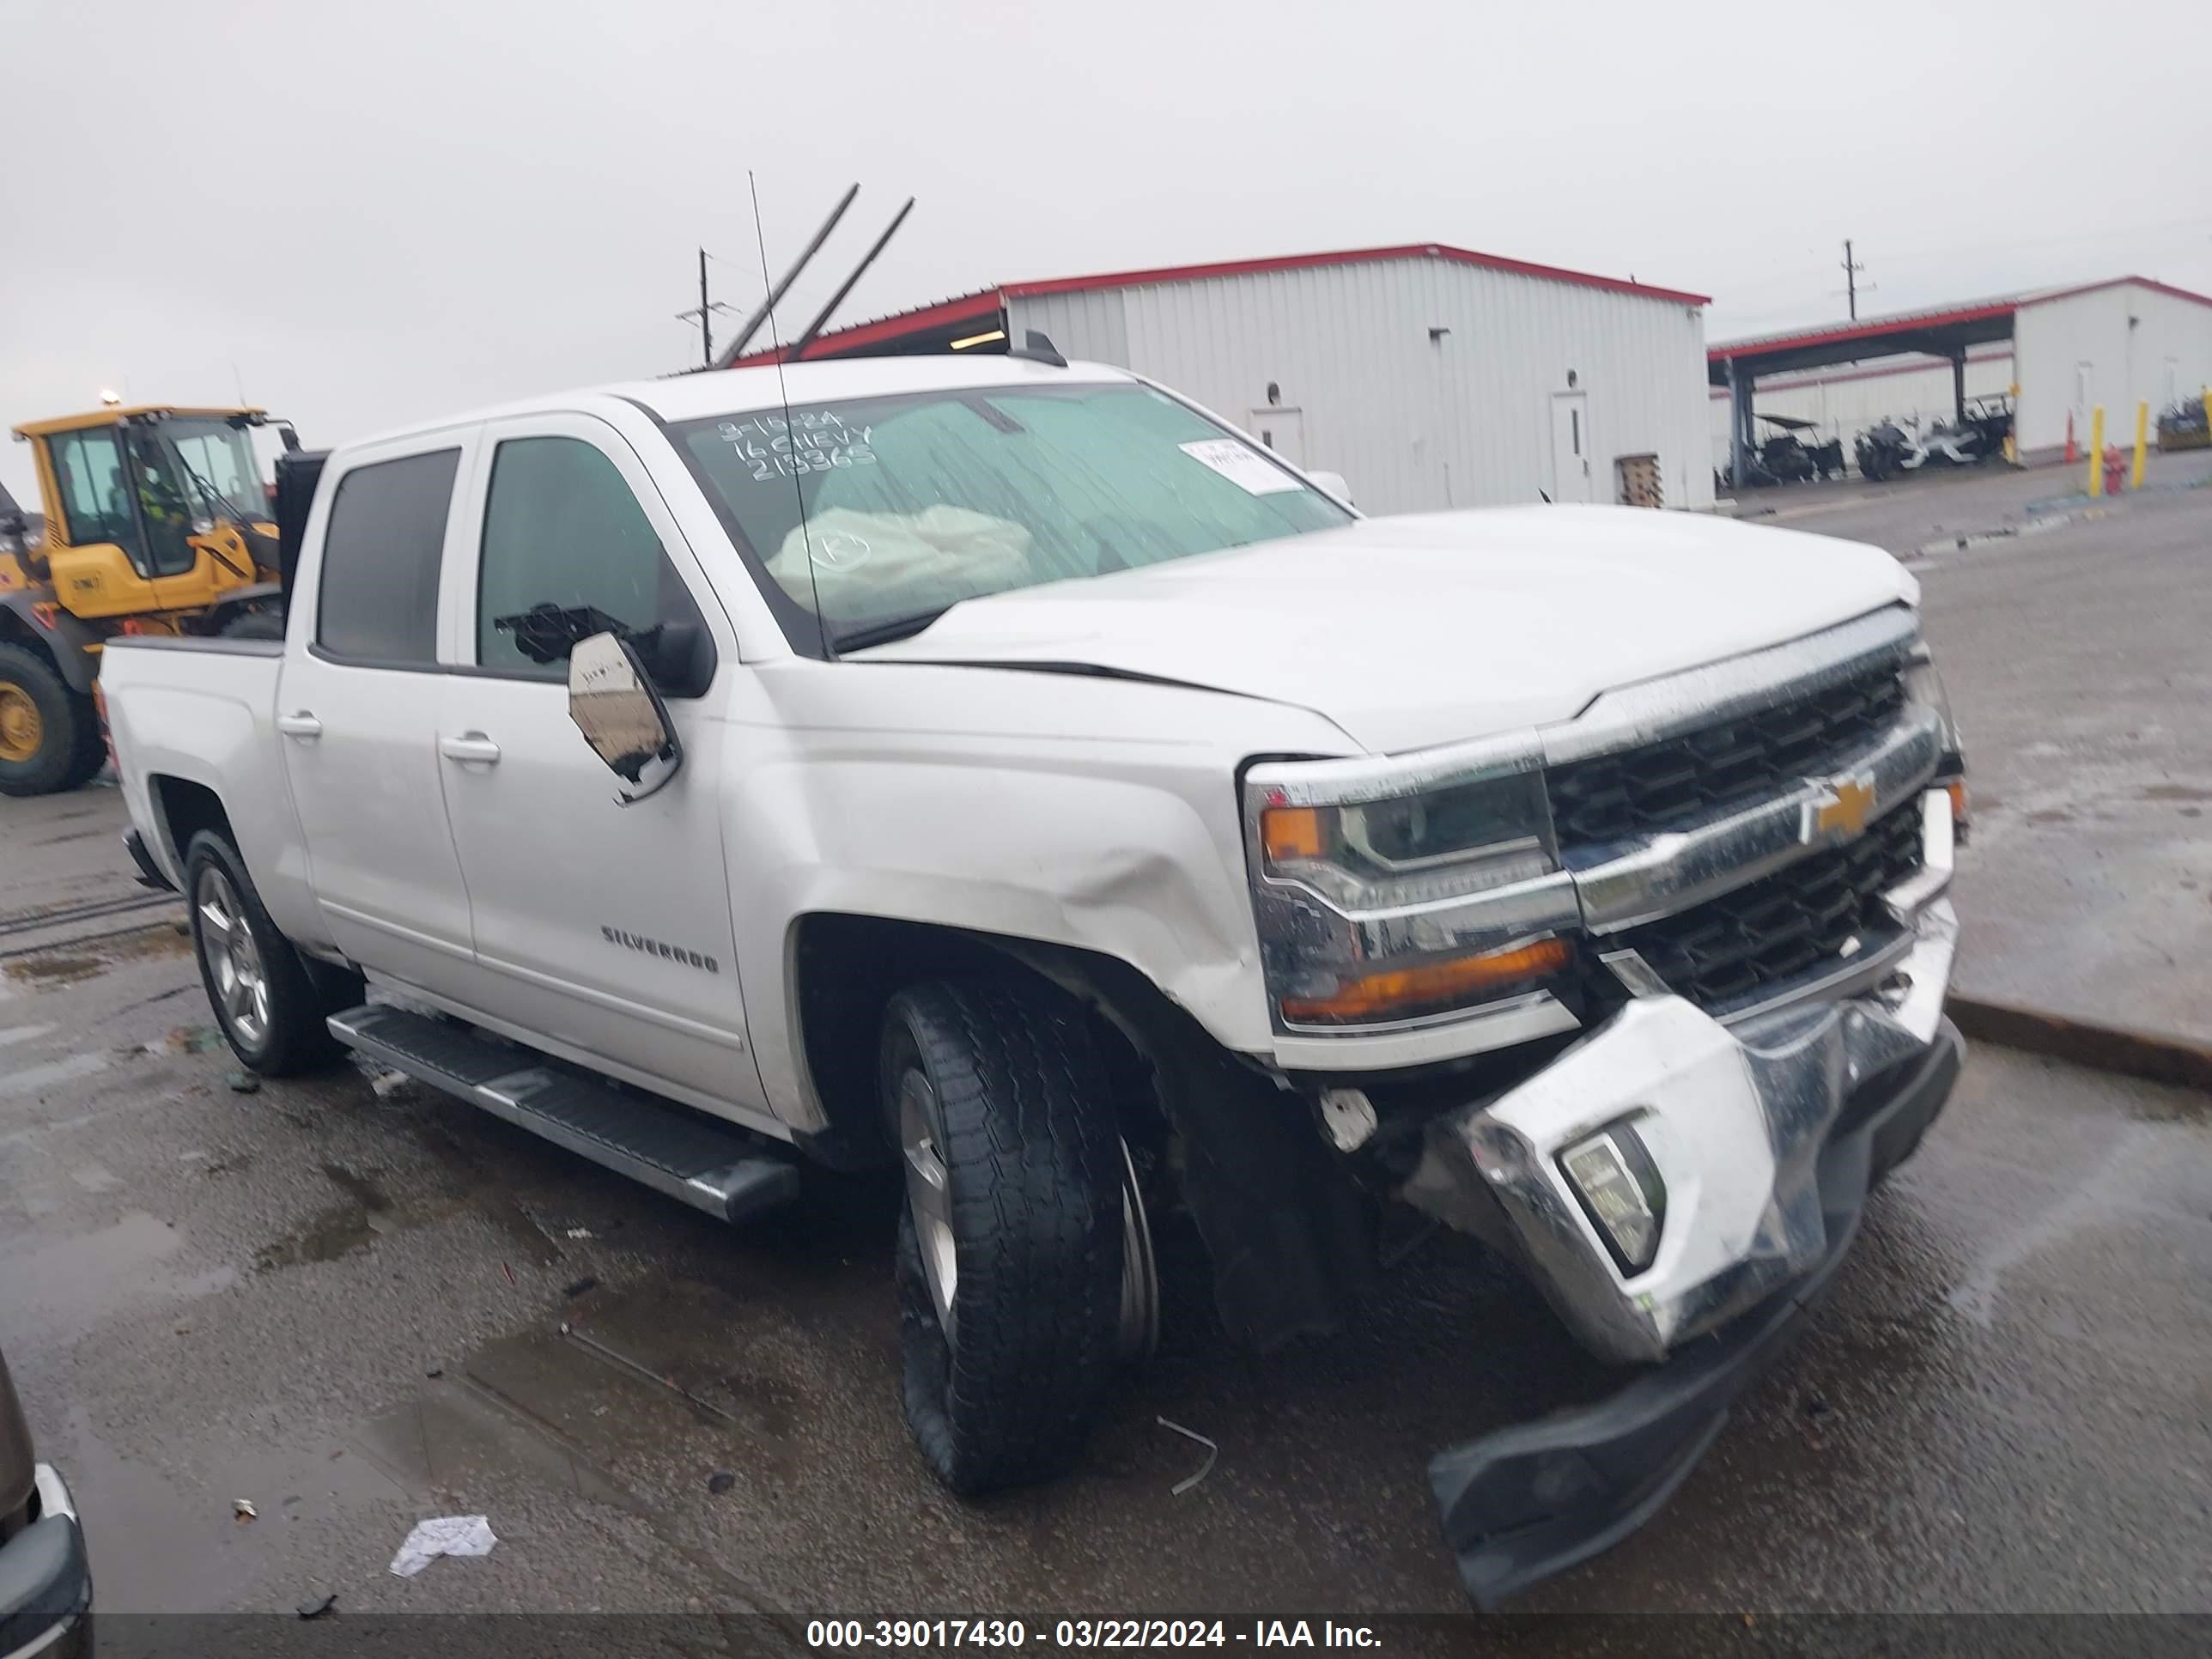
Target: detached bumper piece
46, 1581
1529, 1501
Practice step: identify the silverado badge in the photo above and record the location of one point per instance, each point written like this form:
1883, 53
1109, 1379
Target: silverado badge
1839, 811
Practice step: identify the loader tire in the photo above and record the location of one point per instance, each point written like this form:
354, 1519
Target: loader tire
255, 625
270, 1003
50, 735
997, 1097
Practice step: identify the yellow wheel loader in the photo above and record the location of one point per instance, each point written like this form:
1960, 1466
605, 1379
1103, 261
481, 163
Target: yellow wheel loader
155, 521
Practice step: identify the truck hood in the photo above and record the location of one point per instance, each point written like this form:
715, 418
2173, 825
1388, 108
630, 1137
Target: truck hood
1412, 631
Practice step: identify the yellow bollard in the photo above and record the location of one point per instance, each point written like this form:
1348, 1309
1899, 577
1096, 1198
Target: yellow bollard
2143, 436
2097, 451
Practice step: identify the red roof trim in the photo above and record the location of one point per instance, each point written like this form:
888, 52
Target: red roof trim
1355, 256
1865, 331
2167, 288
965, 308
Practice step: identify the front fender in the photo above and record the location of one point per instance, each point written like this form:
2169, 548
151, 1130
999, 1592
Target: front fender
1099, 817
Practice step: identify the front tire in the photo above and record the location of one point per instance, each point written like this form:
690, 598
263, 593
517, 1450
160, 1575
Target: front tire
271, 1009
50, 735
1010, 1242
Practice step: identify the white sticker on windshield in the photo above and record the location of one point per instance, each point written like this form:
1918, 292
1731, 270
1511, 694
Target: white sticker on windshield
1249, 471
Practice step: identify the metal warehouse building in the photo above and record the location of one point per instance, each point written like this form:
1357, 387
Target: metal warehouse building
2064, 352
1431, 377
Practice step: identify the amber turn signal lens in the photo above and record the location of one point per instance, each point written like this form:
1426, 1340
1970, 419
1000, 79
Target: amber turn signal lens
1290, 832
1957, 788
1431, 986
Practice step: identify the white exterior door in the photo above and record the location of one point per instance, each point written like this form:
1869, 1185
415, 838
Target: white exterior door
1570, 462
358, 709
599, 927
1283, 430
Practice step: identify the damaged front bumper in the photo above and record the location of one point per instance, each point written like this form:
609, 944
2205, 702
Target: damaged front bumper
1765, 1135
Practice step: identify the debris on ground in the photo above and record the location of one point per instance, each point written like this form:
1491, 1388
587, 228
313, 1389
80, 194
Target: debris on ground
386, 1085
443, 1535
316, 1605
243, 1509
436, 1371
1206, 1469
577, 1287
720, 1482
243, 1083
579, 1232
191, 1039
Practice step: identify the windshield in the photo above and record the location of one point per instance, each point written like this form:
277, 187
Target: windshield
913, 503
219, 457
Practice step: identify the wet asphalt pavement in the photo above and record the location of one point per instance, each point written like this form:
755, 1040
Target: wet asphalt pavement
2077, 661
346, 1307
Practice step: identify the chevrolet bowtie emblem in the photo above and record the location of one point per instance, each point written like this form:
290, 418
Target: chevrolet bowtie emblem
1840, 811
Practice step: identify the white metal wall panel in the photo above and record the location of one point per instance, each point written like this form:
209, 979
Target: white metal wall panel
1418, 424
1846, 403
2125, 364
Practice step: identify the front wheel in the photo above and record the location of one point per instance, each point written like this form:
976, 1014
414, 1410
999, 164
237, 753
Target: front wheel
1013, 1306
50, 735
270, 1006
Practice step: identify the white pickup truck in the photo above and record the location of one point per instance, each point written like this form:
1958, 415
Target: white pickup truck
1002, 765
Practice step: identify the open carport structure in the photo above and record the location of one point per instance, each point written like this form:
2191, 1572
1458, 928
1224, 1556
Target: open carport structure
2112, 344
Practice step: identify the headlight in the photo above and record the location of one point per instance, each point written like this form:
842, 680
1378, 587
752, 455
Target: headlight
1925, 685
1380, 902
1386, 854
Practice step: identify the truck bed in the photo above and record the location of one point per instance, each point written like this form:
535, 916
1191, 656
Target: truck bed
202, 712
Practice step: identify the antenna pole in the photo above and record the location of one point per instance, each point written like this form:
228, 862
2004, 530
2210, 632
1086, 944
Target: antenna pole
751, 325
799, 346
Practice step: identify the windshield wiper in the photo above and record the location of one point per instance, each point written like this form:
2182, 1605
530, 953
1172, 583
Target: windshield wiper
882, 633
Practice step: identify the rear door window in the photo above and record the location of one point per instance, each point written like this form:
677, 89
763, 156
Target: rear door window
382, 551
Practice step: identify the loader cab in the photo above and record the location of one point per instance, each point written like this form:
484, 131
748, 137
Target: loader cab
150, 509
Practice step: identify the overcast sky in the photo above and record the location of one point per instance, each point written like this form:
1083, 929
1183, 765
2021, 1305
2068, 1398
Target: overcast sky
367, 213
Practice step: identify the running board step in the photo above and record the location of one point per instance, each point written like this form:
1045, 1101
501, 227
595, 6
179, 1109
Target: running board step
710, 1166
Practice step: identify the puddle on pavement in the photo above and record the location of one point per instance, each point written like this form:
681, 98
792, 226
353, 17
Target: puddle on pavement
65, 1285
69, 965
34, 1078
160, 1549
337, 1230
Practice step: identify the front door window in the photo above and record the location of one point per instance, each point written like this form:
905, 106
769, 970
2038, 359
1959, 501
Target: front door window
95, 496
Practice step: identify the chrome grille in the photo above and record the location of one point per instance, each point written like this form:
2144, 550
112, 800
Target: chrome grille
1677, 780
1731, 950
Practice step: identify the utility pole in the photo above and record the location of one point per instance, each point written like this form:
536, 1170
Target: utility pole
705, 314
1852, 269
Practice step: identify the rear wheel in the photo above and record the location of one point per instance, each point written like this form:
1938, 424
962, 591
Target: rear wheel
49, 735
270, 1006
1013, 1305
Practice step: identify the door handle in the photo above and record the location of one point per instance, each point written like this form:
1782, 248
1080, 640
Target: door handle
471, 749
301, 725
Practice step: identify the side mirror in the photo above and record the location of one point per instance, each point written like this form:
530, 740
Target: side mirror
612, 699
1331, 483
